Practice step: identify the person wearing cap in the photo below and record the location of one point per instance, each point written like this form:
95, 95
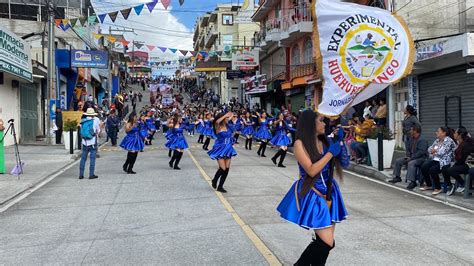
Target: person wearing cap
89, 145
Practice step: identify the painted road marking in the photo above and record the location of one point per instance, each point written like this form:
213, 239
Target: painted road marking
258, 243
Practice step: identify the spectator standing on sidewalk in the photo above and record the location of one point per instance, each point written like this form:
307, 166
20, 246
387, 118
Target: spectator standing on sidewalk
381, 115
89, 132
409, 121
113, 123
415, 157
464, 149
441, 153
59, 125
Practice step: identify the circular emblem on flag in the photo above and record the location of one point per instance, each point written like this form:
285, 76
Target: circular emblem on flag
366, 51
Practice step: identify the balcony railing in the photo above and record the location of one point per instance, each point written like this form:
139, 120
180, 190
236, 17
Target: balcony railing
296, 15
211, 35
302, 70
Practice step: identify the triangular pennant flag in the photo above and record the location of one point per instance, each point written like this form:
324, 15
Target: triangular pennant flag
174, 61
173, 50
183, 52
126, 12
138, 45
91, 19
168, 62
193, 53
83, 20
111, 39
151, 47
65, 21
138, 9
113, 15
58, 22
163, 49
102, 17
165, 3
97, 36
74, 22
219, 53
152, 5
162, 63
65, 27
181, 2
125, 42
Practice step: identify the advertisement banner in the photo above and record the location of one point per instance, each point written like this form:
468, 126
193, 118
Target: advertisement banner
246, 11
15, 56
360, 50
245, 59
90, 59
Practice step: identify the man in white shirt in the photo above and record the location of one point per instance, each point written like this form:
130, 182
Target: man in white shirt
89, 142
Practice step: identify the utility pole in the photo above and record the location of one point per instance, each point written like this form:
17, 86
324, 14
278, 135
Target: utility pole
50, 81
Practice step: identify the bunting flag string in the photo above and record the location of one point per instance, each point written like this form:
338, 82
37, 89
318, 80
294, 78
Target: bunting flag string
152, 5
165, 3
113, 15
126, 13
151, 47
138, 9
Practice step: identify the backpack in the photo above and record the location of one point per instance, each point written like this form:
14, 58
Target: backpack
87, 129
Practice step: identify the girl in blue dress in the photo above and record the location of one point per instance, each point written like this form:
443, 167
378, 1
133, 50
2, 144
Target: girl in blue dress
315, 201
223, 149
248, 130
281, 139
150, 125
169, 134
132, 142
237, 124
177, 142
208, 131
200, 128
263, 133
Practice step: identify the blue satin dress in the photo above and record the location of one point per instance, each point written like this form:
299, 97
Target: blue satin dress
223, 146
248, 128
200, 127
208, 131
263, 133
281, 138
312, 211
177, 140
150, 124
133, 141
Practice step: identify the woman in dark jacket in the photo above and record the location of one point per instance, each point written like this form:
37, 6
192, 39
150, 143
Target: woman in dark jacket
464, 149
408, 123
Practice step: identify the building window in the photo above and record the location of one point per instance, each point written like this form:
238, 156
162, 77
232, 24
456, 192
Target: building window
295, 55
227, 19
308, 51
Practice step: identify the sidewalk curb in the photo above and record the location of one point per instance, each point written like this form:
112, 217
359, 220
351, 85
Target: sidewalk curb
41, 182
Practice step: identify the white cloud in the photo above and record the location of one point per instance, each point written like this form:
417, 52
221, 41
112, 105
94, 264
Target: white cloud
159, 28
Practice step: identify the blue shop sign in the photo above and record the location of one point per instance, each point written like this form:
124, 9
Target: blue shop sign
90, 59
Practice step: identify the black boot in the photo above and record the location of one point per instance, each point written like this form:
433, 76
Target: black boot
178, 159
132, 163
274, 158
175, 155
250, 144
321, 252
264, 148
206, 144
282, 158
201, 138
236, 137
260, 149
220, 188
218, 174
169, 152
246, 144
127, 162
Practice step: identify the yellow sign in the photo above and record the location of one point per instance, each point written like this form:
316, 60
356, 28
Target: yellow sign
72, 116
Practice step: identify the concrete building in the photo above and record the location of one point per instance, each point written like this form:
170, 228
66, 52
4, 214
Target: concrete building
219, 34
26, 100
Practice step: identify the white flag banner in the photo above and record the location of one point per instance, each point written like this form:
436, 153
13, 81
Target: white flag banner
360, 50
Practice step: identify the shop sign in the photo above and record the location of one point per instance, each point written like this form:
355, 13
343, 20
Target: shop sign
88, 58
246, 59
239, 74
15, 57
413, 91
255, 84
431, 51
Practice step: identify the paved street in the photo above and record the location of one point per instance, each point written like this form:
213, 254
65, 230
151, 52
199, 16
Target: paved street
168, 217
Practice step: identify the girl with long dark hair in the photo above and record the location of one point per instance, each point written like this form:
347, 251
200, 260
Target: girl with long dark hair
315, 201
464, 149
133, 142
199, 128
223, 149
237, 124
263, 133
248, 130
208, 132
177, 142
280, 139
